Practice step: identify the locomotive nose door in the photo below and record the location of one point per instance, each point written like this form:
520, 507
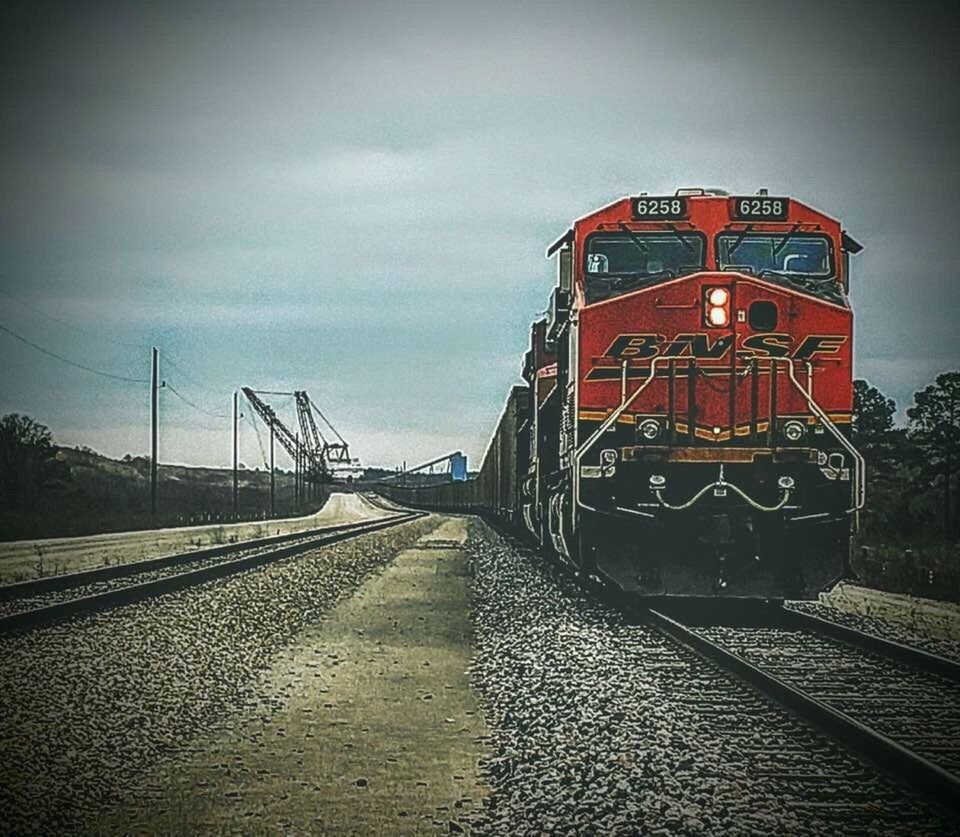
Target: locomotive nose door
756, 375
744, 376
721, 314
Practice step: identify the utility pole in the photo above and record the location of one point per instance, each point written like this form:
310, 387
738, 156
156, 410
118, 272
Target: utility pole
273, 509
296, 476
236, 451
154, 425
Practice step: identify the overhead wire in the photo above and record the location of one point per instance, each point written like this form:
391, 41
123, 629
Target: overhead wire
185, 400
68, 324
256, 429
168, 359
74, 363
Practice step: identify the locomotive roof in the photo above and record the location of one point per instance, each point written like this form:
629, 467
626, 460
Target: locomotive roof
623, 206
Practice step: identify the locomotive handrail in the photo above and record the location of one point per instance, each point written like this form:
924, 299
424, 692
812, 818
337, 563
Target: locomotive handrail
606, 425
617, 412
859, 470
860, 464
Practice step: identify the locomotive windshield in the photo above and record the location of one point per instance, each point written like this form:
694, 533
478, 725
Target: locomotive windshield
801, 262
625, 261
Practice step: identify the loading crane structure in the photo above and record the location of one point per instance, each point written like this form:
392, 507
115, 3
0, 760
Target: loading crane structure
322, 450
312, 448
297, 451
456, 468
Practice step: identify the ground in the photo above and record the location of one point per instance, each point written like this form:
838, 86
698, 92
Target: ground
375, 728
924, 616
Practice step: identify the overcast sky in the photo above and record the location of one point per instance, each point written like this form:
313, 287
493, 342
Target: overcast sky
355, 198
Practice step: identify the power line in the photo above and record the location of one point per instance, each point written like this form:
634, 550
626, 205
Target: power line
68, 324
263, 452
187, 401
190, 378
166, 356
69, 362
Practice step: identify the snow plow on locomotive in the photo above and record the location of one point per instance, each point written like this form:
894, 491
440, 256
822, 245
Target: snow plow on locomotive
684, 429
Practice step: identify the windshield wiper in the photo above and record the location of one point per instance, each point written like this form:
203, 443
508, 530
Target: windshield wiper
633, 280
825, 286
736, 244
634, 238
783, 241
690, 248
804, 279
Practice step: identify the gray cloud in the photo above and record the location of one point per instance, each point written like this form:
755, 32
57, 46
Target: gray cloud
356, 197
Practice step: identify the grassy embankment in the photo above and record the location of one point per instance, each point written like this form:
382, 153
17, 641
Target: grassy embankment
95, 494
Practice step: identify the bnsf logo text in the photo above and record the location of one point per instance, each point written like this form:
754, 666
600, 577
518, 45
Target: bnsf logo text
646, 346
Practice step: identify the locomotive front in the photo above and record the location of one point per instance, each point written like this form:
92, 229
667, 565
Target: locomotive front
702, 398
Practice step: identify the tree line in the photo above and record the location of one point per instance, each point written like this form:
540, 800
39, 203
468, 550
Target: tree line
912, 470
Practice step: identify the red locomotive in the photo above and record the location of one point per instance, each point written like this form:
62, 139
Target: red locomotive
684, 428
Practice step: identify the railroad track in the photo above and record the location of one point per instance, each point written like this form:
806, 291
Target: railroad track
895, 705
30, 604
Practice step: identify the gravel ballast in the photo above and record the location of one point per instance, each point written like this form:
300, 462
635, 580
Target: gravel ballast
916, 709
913, 632
600, 726
87, 705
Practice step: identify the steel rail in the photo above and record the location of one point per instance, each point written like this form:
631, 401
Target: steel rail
902, 653
137, 592
909, 768
79, 578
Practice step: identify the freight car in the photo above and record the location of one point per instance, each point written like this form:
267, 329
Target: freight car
497, 488
684, 425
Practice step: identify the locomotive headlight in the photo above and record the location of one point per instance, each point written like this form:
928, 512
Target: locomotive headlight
717, 317
718, 296
649, 429
716, 307
793, 431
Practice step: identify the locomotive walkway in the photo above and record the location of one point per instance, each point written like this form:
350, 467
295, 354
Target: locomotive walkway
366, 724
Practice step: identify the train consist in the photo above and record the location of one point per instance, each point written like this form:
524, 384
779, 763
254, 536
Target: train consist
683, 428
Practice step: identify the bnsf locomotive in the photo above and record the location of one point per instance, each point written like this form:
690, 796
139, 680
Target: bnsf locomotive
684, 426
